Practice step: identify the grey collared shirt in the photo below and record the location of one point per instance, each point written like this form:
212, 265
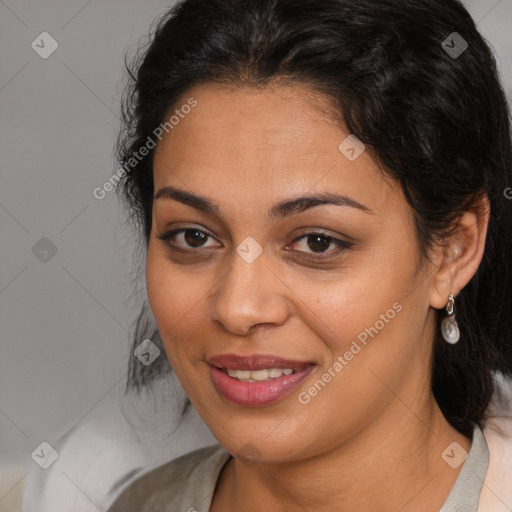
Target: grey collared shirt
187, 484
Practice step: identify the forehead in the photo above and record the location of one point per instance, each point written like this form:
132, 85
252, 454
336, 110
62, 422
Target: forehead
263, 142
277, 119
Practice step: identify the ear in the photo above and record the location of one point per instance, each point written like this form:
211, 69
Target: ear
457, 259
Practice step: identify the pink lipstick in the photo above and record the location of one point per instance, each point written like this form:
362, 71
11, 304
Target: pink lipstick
257, 380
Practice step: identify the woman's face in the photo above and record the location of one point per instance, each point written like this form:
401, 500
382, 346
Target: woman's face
272, 247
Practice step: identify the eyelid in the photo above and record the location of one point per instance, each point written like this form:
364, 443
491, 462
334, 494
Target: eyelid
340, 243
171, 234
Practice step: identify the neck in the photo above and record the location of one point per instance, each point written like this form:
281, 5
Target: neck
393, 464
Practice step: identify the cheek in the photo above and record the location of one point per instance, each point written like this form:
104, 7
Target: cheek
173, 299
345, 306
351, 322
365, 354
372, 319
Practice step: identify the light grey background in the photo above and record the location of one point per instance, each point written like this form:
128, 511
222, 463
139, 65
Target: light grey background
64, 323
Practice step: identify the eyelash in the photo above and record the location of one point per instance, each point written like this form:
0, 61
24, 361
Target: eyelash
342, 245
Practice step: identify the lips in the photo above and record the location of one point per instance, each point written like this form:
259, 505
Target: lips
256, 393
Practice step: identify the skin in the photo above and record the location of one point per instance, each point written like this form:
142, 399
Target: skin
372, 438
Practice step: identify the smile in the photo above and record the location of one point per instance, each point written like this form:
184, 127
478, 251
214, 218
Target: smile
258, 375
257, 380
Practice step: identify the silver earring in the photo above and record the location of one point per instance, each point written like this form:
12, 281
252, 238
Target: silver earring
449, 326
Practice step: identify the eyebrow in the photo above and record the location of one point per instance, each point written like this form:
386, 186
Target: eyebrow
279, 210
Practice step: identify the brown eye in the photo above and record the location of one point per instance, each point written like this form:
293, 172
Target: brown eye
318, 243
183, 239
195, 238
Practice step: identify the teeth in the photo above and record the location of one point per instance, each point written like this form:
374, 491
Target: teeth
239, 374
258, 375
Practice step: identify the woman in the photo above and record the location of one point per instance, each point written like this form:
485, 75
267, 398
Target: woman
320, 187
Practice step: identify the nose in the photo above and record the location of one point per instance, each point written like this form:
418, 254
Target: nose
248, 297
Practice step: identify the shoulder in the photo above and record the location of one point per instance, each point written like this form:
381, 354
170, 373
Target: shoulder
184, 483
497, 492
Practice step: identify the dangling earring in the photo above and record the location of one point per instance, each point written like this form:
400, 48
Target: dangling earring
449, 327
